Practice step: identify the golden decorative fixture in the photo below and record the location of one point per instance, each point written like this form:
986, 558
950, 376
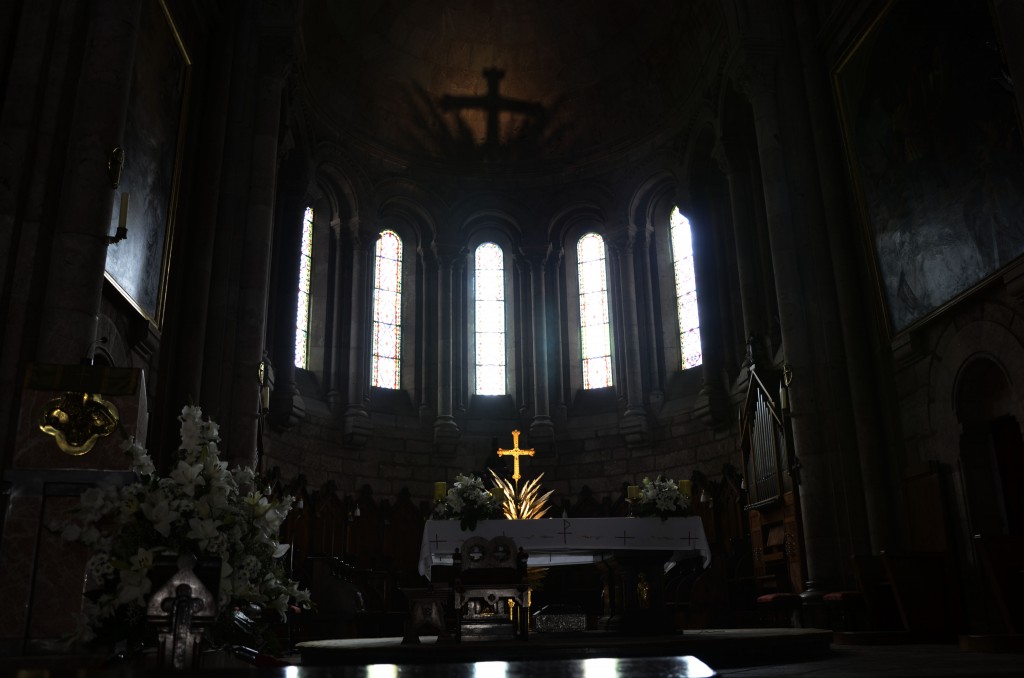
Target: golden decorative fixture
78, 420
115, 165
515, 453
525, 503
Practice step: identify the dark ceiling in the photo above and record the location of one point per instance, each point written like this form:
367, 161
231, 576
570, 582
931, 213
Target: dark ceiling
507, 80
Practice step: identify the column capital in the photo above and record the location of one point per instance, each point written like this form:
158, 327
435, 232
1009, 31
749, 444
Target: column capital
535, 256
362, 239
621, 239
446, 254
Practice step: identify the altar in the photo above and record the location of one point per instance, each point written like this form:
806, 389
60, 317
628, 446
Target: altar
551, 542
632, 555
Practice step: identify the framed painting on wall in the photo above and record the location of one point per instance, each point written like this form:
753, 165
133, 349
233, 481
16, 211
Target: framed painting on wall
933, 143
152, 143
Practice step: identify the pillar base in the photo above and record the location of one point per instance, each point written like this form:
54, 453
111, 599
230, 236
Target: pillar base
542, 432
635, 428
446, 434
287, 410
357, 426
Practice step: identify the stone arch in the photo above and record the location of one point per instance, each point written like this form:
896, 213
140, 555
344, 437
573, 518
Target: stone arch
974, 409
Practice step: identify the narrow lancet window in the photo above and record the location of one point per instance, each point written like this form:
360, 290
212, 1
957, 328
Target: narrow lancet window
686, 290
595, 328
302, 308
387, 311
489, 309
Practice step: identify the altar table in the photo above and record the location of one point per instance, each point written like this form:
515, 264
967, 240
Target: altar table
569, 541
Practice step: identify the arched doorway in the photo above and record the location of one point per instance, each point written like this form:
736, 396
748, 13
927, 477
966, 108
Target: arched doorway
991, 449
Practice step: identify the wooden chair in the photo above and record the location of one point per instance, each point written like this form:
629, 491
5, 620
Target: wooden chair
490, 589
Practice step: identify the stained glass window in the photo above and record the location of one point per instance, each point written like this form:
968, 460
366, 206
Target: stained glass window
595, 329
302, 309
490, 319
686, 290
387, 311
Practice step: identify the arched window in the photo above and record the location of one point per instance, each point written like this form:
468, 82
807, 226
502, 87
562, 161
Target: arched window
686, 290
387, 311
489, 313
302, 308
595, 328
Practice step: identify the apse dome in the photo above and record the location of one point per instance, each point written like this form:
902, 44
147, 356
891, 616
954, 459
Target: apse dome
533, 82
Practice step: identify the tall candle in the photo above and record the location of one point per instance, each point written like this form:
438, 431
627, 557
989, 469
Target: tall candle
440, 490
122, 217
685, 487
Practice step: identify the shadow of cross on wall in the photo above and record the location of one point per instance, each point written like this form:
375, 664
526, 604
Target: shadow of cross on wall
493, 104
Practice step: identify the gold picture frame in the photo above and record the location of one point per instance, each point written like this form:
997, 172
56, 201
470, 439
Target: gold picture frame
153, 141
934, 150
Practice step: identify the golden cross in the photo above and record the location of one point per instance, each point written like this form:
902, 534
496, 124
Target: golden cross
515, 453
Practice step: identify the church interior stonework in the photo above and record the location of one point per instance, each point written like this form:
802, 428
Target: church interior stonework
769, 249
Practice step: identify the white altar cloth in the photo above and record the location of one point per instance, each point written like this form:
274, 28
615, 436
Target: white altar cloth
569, 541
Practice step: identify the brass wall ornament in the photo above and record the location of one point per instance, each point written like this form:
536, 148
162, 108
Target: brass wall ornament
115, 165
78, 420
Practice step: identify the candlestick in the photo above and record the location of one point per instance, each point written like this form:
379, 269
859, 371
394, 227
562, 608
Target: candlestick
440, 490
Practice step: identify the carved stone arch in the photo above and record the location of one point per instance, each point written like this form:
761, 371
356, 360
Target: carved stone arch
343, 179
577, 210
648, 201
982, 390
976, 414
407, 217
955, 349
505, 210
491, 224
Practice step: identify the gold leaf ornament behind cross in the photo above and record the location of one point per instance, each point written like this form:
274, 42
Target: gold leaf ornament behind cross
78, 420
515, 453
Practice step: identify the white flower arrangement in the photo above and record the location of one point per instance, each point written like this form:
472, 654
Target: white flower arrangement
201, 508
468, 501
660, 497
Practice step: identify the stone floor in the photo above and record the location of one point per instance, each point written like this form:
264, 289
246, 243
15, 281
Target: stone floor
608, 658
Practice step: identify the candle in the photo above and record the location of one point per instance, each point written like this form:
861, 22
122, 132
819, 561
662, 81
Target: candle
498, 494
684, 488
122, 217
633, 492
440, 490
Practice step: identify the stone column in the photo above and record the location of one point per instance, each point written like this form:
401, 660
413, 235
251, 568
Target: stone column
257, 241
71, 303
542, 428
868, 487
712, 402
791, 257
286, 405
357, 425
426, 279
446, 430
731, 160
191, 319
634, 425
334, 359
556, 332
